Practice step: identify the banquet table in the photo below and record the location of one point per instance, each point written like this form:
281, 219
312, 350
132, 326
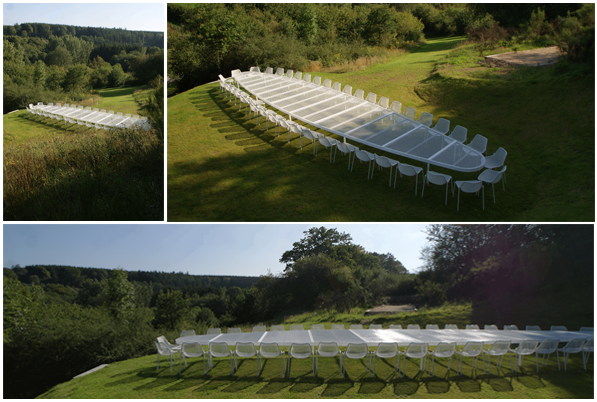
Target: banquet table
359, 120
87, 116
372, 337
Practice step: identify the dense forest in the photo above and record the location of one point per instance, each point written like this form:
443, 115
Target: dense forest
48, 63
205, 40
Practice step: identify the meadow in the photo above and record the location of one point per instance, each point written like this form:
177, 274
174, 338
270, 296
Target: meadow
222, 166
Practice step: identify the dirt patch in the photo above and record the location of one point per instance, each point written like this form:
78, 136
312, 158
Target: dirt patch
534, 57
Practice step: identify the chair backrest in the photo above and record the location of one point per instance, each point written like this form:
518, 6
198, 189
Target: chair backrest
245, 349
383, 102
431, 326
307, 77
355, 326
213, 331
317, 80
533, 328
444, 349
490, 327
479, 143
395, 326
417, 349
359, 94
127, 115
347, 90
527, 346
308, 134
473, 347
328, 349
586, 329
81, 107
277, 328
547, 346
338, 326
192, 348
269, 70
450, 326
413, 326
589, 345
255, 70
297, 327
408, 170
96, 109
269, 349
234, 331
280, 71
472, 326
500, 347
573, 346
409, 113
500, 156
317, 327
425, 119
219, 349
396, 107
337, 86
325, 141
300, 349
190, 332
298, 76
471, 186
259, 328
382, 161
162, 348
289, 73
375, 326
356, 350
458, 134
510, 328
558, 328
327, 83
50, 104
386, 348
119, 114
437, 179
234, 73
363, 155
371, 97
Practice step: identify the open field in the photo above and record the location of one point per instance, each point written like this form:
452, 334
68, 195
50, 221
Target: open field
224, 167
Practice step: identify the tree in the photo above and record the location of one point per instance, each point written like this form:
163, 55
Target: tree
171, 309
316, 241
39, 73
116, 77
380, 28
121, 296
21, 305
155, 108
75, 78
59, 57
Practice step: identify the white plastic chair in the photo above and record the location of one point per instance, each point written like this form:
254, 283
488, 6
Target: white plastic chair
416, 350
586, 329
163, 340
328, 143
337, 86
219, 350
498, 349
356, 351
298, 76
492, 177
300, 351
533, 328
289, 73
311, 136
472, 186
234, 331
371, 98
510, 328
277, 328
269, 70
450, 326
409, 113
442, 126
347, 90
431, 326
409, 170
345, 149
525, 348
190, 332
297, 327
588, 348
558, 328
338, 326
546, 348
254, 70
327, 83
490, 327
479, 144
259, 328
396, 107
355, 326
317, 80
363, 156
471, 349
213, 331
327, 349
245, 350
497, 159
386, 350
471, 326
280, 71
413, 326
270, 351
375, 326
425, 119
164, 350
384, 162
439, 180
307, 78
573, 346
383, 102
317, 327
359, 94
191, 350
444, 350
395, 326
458, 134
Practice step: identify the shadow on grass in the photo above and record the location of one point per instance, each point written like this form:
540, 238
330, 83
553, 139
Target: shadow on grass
405, 386
242, 383
306, 384
438, 45
134, 376
499, 384
112, 93
336, 388
215, 383
436, 385
373, 385
186, 383
468, 384
274, 386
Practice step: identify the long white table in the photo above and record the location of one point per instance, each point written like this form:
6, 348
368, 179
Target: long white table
372, 337
360, 121
84, 116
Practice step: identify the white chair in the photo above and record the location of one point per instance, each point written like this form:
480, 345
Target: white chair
254, 70
345, 149
546, 348
164, 350
300, 351
472, 186
498, 349
413, 326
396, 107
525, 348
269, 70
190, 332
219, 350
191, 350
328, 143
337, 86
490, 327
395, 326
444, 350
363, 156
280, 71
383, 102
289, 73
384, 162
586, 329
450, 326
375, 326
573, 346
409, 113
479, 144
533, 328
297, 327
307, 78
431, 326
356, 351
386, 350
471, 326
338, 326
327, 83
311, 136
355, 326
510, 328
317, 327
317, 80
416, 350
359, 94
298, 76
471, 349
588, 348
163, 340
425, 119
347, 90
234, 331
458, 134
259, 328
327, 349
492, 177
442, 126
270, 350
245, 350
558, 328
213, 331
277, 328
497, 159
439, 180
371, 98
409, 170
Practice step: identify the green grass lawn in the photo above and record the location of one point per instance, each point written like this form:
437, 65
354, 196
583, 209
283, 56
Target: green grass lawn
224, 167
138, 378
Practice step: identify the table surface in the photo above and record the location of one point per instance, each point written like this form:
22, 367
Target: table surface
87, 116
374, 336
360, 121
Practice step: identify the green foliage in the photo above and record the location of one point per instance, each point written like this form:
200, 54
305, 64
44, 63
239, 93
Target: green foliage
59, 57
121, 296
39, 73
171, 310
21, 304
155, 108
75, 78
116, 77
577, 36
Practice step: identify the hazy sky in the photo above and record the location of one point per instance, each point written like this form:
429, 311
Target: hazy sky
134, 17
218, 249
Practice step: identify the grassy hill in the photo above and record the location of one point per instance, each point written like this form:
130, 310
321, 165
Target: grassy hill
224, 167
138, 378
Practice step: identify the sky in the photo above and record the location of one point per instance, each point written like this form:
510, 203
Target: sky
199, 249
134, 17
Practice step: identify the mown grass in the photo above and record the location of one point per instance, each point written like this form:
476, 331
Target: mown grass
224, 167
138, 378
